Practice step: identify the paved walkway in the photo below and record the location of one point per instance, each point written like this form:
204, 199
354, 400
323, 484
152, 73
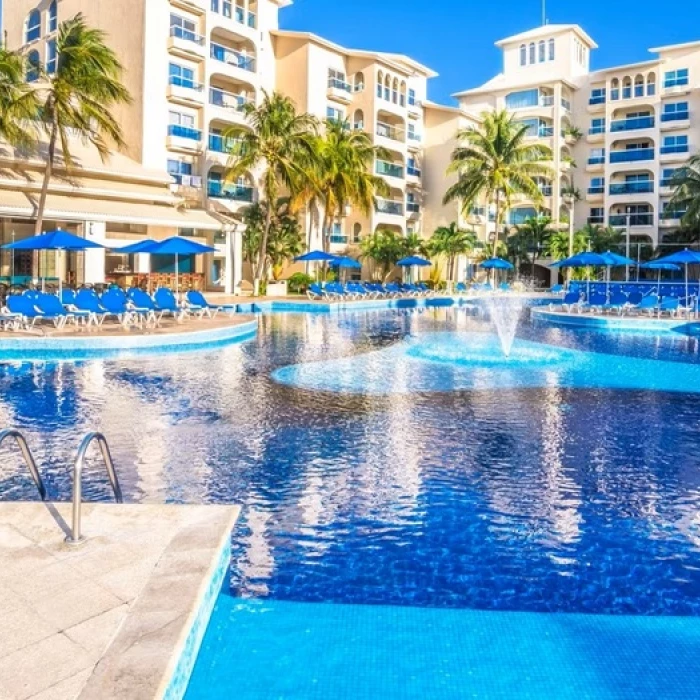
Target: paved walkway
63, 607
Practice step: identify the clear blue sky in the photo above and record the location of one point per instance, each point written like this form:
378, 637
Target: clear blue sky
455, 37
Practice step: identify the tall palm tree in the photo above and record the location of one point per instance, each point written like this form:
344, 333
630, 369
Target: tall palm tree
686, 195
558, 244
451, 241
385, 248
415, 244
494, 162
280, 142
530, 239
18, 103
342, 173
76, 99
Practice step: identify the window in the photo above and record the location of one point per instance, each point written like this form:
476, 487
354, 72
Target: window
356, 233
541, 52
639, 86
668, 175
411, 96
675, 144
651, 84
675, 111
626, 88
532, 52
596, 156
596, 215
597, 96
551, 49
181, 119
615, 89
53, 17
334, 114
597, 126
525, 98
179, 170
182, 76
183, 28
51, 56
676, 78
32, 30
523, 55
336, 79
359, 82
380, 84
597, 185
33, 67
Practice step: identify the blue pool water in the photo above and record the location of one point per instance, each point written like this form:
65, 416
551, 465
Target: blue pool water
421, 518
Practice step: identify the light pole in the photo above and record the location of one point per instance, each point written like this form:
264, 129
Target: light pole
12, 262
570, 201
627, 242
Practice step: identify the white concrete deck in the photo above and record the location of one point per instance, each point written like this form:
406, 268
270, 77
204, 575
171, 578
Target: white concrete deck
63, 608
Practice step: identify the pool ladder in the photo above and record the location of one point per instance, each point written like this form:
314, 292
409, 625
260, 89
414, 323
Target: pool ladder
75, 536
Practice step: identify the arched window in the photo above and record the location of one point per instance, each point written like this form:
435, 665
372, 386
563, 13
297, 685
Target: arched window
359, 82
541, 52
380, 83
387, 88
551, 49
356, 233
627, 88
358, 120
395, 91
639, 86
651, 84
51, 56
52, 17
615, 89
532, 52
33, 65
402, 94
523, 55
32, 30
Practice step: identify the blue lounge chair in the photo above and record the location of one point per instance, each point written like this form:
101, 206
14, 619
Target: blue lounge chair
165, 301
87, 300
616, 302
51, 305
315, 291
556, 289
196, 301
649, 304
427, 291
595, 302
570, 300
116, 303
504, 287
140, 301
24, 308
669, 305
461, 288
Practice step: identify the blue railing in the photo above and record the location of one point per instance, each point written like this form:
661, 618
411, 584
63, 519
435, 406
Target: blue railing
675, 116
232, 57
186, 35
387, 206
241, 193
597, 190
413, 207
597, 100
221, 144
596, 160
632, 155
676, 148
673, 214
338, 238
631, 124
600, 129
632, 187
413, 171
596, 219
185, 83
384, 168
184, 132
338, 84
618, 220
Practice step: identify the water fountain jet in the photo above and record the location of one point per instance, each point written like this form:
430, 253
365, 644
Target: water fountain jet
505, 311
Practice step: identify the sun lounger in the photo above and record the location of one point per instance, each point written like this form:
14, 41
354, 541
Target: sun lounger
165, 301
196, 300
669, 305
28, 313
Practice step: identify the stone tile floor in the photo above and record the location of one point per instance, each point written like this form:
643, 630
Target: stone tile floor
62, 606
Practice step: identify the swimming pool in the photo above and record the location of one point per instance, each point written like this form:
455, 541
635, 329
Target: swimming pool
419, 520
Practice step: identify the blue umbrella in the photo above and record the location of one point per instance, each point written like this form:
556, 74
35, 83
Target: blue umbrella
315, 256
177, 246
586, 259
682, 257
614, 260
496, 264
414, 260
656, 265
140, 247
57, 240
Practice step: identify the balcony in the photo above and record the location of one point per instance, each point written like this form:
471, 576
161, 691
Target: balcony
221, 144
414, 106
233, 58
596, 160
185, 91
229, 102
339, 90
389, 169
228, 9
632, 124
413, 207
391, 132
197, 6
238, 193
637, 187
412, 171
389, 206
620, 220
597, 100
414, 141
186, 43
596, 220
671, 217
183, 138
338, 239
598, 189
633, 155
566, 104
545, 190
675, 120
678, 151
546, 101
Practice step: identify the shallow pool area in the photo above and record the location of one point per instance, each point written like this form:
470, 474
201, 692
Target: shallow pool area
422, 517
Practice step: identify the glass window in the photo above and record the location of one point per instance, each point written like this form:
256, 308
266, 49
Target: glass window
183, 28
334, 114
51, 56
675, 140
336, 79
411, 96
541, 52
182, 76
181, 119
524, 98
523, 55
33, 67
597, 126
675, 78
33, 26
676, 108
53, 17
532, 52
598, 183
551, 49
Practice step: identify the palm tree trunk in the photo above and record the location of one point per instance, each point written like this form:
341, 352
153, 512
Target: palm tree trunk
498, 221
262, 256
41, 207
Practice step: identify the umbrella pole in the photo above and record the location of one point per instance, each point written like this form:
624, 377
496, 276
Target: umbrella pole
177, 275
58, 272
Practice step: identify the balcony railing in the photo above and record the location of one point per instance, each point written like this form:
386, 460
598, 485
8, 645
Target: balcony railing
388, 206
546, 100
241, 193
597, 100
632, 155
227, 100
232, 57
221, 144
186, 35
228, 9
620, 220
187, 83
596, 219
673, 214
675, 116
338, 238
631, 124
598, 189
413, 171
566, 104
337, 84
545, 190
389, 131
675, 148
413, 136
413, 207
640, 186
596, 160
187, 180
667, 182
184, 132
600, 129
390, 169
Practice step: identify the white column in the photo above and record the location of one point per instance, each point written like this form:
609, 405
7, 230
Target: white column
142, 263
95, 231
234, 259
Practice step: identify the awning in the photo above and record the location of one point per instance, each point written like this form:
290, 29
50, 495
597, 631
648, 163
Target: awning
72, 208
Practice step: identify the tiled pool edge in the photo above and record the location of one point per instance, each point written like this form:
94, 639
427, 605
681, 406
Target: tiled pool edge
611, 323
177, 676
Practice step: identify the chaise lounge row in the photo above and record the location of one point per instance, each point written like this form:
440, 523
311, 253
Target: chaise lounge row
366, 290
634, 303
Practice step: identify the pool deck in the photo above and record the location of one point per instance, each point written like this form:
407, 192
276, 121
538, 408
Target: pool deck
612, 321
109, 618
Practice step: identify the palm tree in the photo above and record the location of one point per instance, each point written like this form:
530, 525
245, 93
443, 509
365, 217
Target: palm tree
415, 244
76, 99
686, 195
530, 239
280, 141
452, 241
342, 174
385, 248
602, 238
18, 103
558, 244
495, 162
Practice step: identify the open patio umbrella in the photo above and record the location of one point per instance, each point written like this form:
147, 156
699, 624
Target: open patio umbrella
136, 248
315, 256
496, 264
585, 259
660, 266
177, 246
413, 261
614, 260
57, 240
344, 262
682, 257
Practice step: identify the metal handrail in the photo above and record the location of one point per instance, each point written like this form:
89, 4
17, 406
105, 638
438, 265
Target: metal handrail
28, 458
76, 537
